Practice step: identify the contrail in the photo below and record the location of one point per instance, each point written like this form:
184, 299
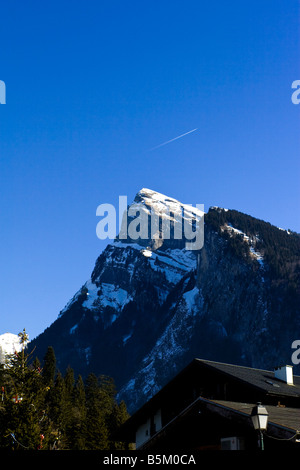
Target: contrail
175, 138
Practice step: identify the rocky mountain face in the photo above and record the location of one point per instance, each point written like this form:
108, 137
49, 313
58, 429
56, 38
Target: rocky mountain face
152, 305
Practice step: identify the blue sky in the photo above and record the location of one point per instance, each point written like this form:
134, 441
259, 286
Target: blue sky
92, 86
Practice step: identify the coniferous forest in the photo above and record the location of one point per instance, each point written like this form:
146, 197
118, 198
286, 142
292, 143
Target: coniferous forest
43, 409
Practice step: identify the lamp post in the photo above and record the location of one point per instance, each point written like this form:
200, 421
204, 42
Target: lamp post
259, 416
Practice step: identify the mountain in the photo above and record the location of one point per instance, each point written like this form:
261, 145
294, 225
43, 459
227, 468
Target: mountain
9, 343
152, 305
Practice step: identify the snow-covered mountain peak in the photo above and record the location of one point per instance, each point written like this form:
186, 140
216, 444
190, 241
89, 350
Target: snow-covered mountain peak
9, 343
161, 203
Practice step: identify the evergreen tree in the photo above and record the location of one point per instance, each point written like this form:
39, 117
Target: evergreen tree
68, 406
57, 410
49, 366
69, 382
76, 428
97, 435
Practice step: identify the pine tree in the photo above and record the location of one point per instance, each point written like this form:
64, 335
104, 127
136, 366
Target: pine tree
69, 382
49, 366
57, 410
97, 434
76, 428
23, 341
68, 406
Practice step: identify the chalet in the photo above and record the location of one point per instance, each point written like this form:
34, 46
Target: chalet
208, 405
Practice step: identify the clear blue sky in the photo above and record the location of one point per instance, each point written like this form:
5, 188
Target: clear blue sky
91, 86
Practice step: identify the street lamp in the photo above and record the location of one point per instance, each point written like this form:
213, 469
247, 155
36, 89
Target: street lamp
259, 416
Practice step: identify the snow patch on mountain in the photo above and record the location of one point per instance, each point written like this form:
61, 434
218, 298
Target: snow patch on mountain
107, 295
251, 241
190, 299
173, 263
126, 338
218, 209
257, 255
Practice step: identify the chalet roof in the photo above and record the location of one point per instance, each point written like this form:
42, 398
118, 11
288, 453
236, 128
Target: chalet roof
283, 423
258, 379
262, 379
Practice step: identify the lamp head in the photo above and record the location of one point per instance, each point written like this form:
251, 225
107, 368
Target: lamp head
259, 416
